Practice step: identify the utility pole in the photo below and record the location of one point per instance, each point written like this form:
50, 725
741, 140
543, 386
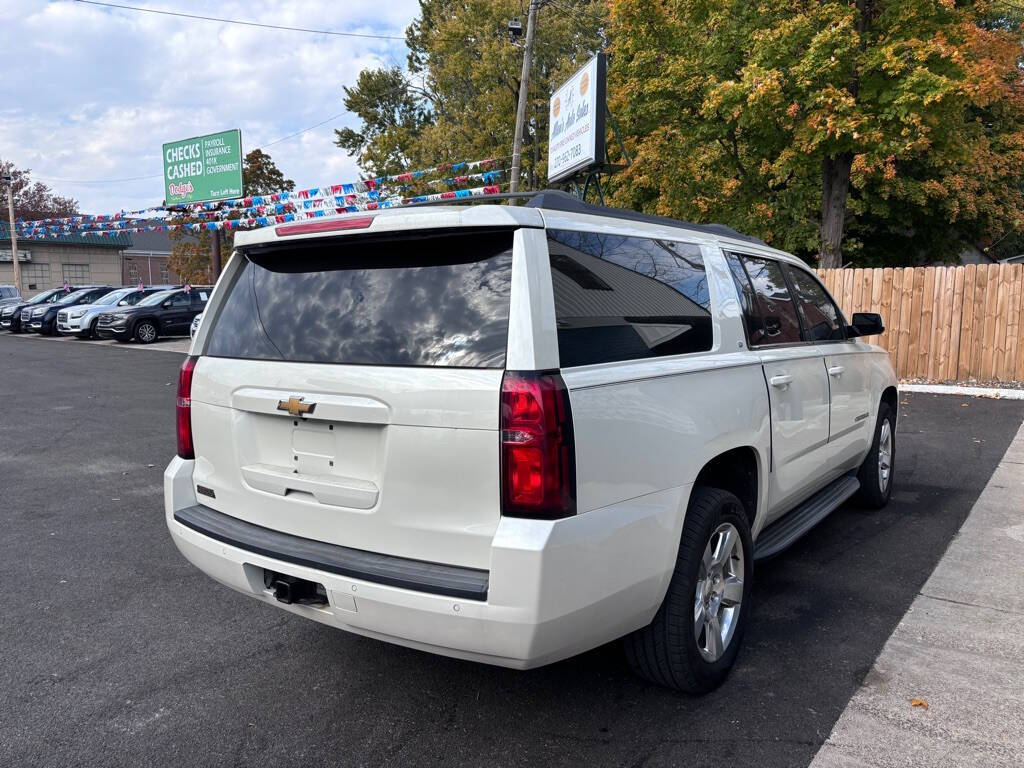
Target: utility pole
524, 88
215, 255
9, 181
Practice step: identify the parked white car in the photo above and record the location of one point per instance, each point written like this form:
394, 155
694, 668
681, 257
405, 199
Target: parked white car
81, 320
512, 434
9, 295
194, 328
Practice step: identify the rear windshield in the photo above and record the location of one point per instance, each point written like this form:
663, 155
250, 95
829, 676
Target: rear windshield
433, 299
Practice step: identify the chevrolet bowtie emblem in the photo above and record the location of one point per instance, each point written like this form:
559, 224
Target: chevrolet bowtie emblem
296, 406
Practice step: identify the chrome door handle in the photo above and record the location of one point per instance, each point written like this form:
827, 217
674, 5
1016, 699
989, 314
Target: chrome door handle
836, 370
781, 381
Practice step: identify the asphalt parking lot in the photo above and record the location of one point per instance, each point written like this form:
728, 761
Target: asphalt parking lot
117, 652
179, 344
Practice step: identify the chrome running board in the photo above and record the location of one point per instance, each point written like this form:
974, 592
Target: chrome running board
787, 529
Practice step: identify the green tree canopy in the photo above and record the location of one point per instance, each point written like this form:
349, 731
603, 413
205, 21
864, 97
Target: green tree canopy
457, 101
899, 124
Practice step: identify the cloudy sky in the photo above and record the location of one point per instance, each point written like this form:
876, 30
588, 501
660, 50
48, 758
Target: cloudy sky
90, 93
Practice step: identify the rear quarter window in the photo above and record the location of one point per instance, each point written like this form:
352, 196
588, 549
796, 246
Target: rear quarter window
627, 298
422, 299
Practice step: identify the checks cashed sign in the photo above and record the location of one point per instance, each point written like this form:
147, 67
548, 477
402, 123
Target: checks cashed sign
203, 168
576, 122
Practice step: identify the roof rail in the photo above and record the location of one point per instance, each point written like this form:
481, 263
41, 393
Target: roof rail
557, 200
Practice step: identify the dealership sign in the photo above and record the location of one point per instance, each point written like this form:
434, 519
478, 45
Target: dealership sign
203, 168
576, 119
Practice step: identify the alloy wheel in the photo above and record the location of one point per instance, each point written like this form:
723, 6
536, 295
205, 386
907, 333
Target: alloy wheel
884, 456
719, 592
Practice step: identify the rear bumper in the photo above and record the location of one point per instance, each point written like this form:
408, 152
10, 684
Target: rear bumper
553, 589
417, 575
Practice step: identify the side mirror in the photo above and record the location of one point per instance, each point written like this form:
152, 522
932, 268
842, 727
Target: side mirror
122, 303
866, 324
165, 304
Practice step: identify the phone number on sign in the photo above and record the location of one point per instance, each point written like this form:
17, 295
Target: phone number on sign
572, 153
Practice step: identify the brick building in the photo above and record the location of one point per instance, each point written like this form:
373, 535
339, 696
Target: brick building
145, 259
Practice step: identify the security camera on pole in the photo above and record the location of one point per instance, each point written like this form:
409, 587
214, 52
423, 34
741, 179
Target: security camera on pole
8, 180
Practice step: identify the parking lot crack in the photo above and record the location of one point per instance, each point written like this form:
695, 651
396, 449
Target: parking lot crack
971, 605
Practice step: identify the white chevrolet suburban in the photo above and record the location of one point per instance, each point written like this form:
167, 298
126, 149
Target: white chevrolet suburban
511, 434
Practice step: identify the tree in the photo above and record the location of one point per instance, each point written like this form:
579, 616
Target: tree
190, 252
35, 200
457, 101
261, 176
392, 118
894, 125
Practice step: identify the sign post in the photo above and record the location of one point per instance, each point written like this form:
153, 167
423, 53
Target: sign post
203, 168
576, 133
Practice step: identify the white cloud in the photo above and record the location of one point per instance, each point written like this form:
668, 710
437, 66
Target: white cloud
91, 93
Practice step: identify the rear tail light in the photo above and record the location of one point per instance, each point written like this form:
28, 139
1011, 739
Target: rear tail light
538, 454
184, 408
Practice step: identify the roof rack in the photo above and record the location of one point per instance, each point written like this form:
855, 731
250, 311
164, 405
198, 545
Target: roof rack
557, 200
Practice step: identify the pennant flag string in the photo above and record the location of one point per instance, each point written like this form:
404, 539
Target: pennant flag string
269, 220
462, 174
257, 210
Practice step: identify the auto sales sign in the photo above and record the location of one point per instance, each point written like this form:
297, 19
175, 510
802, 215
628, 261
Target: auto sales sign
576, 122
203, 168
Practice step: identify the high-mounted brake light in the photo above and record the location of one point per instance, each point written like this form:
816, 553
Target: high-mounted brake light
330, 225
538, 452
184, 408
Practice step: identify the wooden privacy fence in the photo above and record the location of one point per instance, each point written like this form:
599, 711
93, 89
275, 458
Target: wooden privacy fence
942, 323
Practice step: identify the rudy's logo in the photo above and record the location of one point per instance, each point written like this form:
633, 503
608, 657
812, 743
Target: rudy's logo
180, 190
557, 106
584, 84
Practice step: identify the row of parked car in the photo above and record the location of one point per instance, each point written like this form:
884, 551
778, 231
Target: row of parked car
143, 313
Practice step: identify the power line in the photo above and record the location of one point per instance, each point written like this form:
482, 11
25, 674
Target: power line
98, 181
160, 175
304, 130
242, 23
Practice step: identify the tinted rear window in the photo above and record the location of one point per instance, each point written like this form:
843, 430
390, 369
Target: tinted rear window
433, 299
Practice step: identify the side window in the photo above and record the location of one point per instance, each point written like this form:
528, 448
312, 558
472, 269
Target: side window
179, 300
748, 301
627, 298
820, 316
779, 323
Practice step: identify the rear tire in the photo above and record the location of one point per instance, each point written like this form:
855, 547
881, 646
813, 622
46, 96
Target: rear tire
146, 332
876, 473
693, 641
